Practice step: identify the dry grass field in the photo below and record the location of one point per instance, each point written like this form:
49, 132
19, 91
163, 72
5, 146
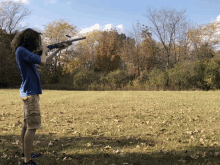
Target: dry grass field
116, 127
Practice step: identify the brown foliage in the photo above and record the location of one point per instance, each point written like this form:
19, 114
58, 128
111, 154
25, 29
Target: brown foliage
147, 55
107, 56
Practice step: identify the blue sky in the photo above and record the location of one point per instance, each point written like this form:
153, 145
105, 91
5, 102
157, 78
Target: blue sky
103, 14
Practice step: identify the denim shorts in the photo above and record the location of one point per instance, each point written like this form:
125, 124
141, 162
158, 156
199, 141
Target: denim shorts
32, 116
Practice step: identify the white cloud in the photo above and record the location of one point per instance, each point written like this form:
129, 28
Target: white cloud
218, 18
23, 1
94, 27
108, 27
120, 28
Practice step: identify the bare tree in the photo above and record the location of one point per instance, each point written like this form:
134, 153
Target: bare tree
11, 14
165, 27
136, 34
181, 41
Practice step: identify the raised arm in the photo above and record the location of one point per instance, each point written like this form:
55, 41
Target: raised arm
50, 57
43, 56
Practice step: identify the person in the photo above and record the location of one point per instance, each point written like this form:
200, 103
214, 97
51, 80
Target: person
25, 44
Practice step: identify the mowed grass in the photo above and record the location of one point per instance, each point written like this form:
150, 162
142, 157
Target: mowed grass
116, 127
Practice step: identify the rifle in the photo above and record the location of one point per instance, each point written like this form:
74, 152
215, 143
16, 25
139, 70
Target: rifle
69, 42
59, 45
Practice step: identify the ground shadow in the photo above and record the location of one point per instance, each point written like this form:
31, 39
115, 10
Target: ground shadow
102, 150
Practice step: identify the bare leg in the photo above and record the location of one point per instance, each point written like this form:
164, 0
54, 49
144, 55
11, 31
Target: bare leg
23, 131
28, 143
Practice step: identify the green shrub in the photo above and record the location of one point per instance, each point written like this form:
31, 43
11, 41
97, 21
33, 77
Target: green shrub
212, 74
103, 80
198, 79
85, 78
188, 75
51, 79
157, 79
143, 77
136, 85
182, 75
118, 78
96, 87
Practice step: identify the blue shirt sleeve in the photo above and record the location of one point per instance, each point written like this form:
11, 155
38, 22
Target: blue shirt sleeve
26, 55
26, 61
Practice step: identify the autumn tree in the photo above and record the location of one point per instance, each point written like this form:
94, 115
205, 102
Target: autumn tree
180, 48
206, 51
136, 34
56, 32
165, 25
210, 33
127, 54
11, 14
86, 49
203, 40
142, 53
148, 50
195, 41
107, 57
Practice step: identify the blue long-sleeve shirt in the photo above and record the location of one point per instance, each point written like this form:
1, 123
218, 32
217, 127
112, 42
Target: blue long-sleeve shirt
26, 61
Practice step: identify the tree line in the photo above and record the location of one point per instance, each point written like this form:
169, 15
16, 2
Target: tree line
169, 54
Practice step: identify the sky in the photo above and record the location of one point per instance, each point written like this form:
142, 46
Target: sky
87, 15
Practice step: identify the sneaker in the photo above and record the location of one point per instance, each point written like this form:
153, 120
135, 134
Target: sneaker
30, 163
33, 156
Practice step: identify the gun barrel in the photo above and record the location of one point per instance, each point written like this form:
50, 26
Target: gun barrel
77, 39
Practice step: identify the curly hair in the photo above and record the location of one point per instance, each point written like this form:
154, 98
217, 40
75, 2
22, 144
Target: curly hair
28, 38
